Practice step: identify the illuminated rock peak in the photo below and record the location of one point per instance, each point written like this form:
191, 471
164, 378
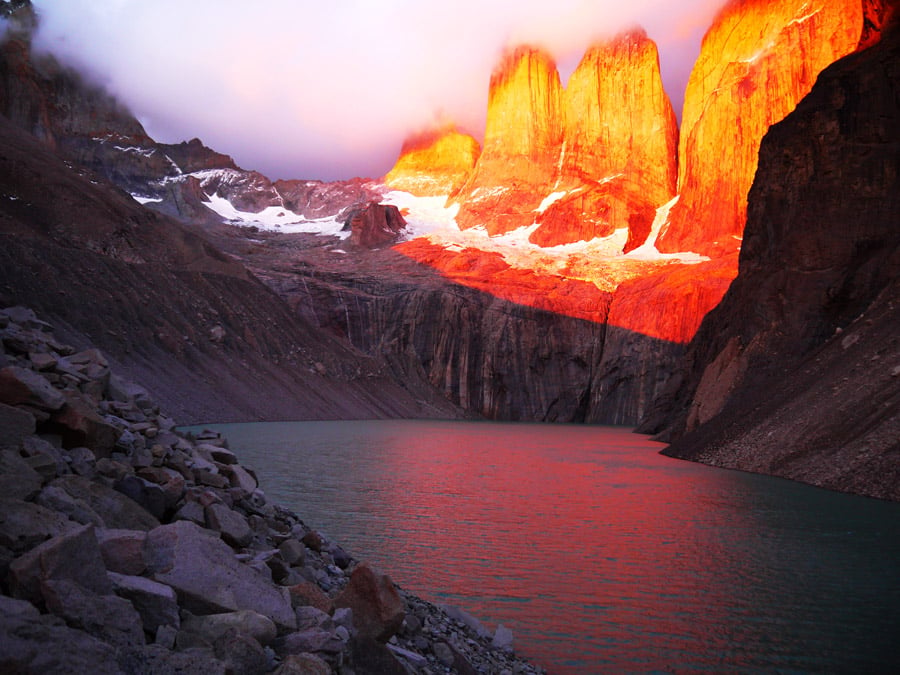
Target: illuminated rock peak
434, 162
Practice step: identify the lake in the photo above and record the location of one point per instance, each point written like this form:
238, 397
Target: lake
600, 554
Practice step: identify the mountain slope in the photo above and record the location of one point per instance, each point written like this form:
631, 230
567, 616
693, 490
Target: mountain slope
797, 372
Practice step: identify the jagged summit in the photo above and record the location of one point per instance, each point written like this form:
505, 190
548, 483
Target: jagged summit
434, 162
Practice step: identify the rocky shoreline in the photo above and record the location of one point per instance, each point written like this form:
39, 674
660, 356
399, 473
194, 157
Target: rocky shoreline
128, 547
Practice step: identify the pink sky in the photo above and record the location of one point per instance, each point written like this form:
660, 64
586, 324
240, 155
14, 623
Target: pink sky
302, 89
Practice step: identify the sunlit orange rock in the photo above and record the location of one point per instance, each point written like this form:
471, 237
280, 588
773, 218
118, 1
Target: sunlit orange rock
522, 140
435, 162
759, 58
581, 161
619, 129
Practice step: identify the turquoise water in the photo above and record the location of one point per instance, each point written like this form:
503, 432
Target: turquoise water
600, 554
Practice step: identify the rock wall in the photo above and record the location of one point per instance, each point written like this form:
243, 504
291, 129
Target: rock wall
757, 61
797, 372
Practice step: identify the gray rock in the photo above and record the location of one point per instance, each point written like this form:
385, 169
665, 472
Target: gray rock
310, 617
244, 622
443, 653
15, 425
158, 660
17, 479
303, 664
57, 499
26, 318
107, 617
122, 550
24, 525
203, 571
82, 461
72, 556
231, 525
157, 604
116, 510
42, 361
79, 424
149, 495
292, 552
466, 619
20, 385
503, 638
34, 643
241, 654
192, 512
241, 478
414, 659
311, 640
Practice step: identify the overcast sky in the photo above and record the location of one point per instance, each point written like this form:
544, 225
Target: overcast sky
329, 88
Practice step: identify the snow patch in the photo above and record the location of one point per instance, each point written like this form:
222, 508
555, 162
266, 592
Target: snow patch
134, 150
550, 200
275, 218
140, 199
423, 215
648, 251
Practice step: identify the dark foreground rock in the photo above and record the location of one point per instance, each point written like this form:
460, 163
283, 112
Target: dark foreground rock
126, 547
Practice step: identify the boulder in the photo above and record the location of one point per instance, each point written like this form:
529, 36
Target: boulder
292, 551
79, 425
115, 509
15, 425
241, 478
71, 556
157, 604
303, 664
241, 654
17, 479
57, 499
24, 525
208, 579
309, 594
374, 225
311, 640
231, 525
21, 386
122, 550
105, 616
212, 627
378, 609
32, 643
149, 495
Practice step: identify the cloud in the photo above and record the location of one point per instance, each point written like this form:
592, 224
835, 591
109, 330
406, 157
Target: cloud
329, 90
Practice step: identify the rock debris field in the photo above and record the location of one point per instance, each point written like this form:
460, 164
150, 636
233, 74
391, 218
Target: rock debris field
128, 547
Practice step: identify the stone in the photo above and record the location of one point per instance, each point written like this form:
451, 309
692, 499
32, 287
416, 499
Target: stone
242, 654
313, 541
15, 425
157, 604
203, 571
116, 510
374, 225
157, 659
170, 481
107, 617
311, 640
241, 478
212, 627
82, 461
443, 653
303, 664
193, 512
503, 638
42, 361
24, 525
57, 499
378, 609
310, 617
23, 386
223, 455
341, 558
34, 643
292, 551
18, 480
80, 425
413, 658
375, 657
466, 619
71, 556
306, 593
149, 495
122, 550
231, 525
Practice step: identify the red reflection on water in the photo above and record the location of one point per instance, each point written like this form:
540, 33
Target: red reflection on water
553, 542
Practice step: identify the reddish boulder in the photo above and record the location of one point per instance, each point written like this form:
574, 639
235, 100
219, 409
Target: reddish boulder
374, 225
378, 609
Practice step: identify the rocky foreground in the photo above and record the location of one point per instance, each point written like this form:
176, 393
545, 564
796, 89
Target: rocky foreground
127, 547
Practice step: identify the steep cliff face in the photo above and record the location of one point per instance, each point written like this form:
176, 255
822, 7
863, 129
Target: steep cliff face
583, 161
522, 140
757, 61
434, 163
618, 159
797, 371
